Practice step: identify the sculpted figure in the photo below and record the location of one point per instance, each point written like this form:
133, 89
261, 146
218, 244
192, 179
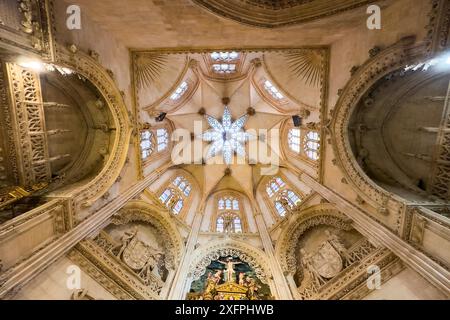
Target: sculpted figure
308, 265
252, 289
149, 266
217, 276
241, 279
230, 268
210, 285
126, 239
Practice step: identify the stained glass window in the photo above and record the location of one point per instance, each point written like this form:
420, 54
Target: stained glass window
311, 145
274, 92
219, 224
178, 206
165, 196
146, 144
180, 91
280, 209
225, 56
229, 222
294, 139
183, 184
162, 139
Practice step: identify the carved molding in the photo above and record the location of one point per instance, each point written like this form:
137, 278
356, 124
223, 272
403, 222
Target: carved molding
32, 34
438, 27
272, 14
93, 271
348, 281
28, 121
6, 122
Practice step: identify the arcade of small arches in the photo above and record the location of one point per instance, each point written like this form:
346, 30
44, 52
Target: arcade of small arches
88, 175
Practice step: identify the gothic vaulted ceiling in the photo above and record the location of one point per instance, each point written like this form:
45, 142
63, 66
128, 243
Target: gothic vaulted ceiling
204, 90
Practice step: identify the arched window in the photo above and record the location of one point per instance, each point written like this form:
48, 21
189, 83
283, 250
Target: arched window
173, 197
228, 218
166, 196
228, 203
237, 225
235, 204
274, 186
272, 90
229, 222
146, 144
311, 145
294, 200
294, 139
162, 137
224, 62
219, 224
153, 140
183, 185
180, 91
178, 206
284, 199
280, 209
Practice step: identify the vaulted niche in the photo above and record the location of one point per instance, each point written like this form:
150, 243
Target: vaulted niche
56, 132
399, 133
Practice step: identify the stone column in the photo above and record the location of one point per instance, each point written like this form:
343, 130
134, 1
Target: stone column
180, 284
283, 292
293, 286
165, 290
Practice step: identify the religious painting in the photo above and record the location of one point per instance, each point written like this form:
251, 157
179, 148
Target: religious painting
229, 278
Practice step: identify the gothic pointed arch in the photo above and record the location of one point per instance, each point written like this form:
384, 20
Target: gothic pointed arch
91, 70
381, 63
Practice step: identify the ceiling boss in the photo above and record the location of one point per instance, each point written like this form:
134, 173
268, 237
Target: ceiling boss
227, 137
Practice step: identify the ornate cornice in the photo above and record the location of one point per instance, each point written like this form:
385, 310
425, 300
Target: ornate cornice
271, 14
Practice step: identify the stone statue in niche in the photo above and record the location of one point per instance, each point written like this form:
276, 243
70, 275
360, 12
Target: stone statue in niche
327, 261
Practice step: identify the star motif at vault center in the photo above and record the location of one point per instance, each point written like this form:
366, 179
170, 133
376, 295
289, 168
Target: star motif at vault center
227, 137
